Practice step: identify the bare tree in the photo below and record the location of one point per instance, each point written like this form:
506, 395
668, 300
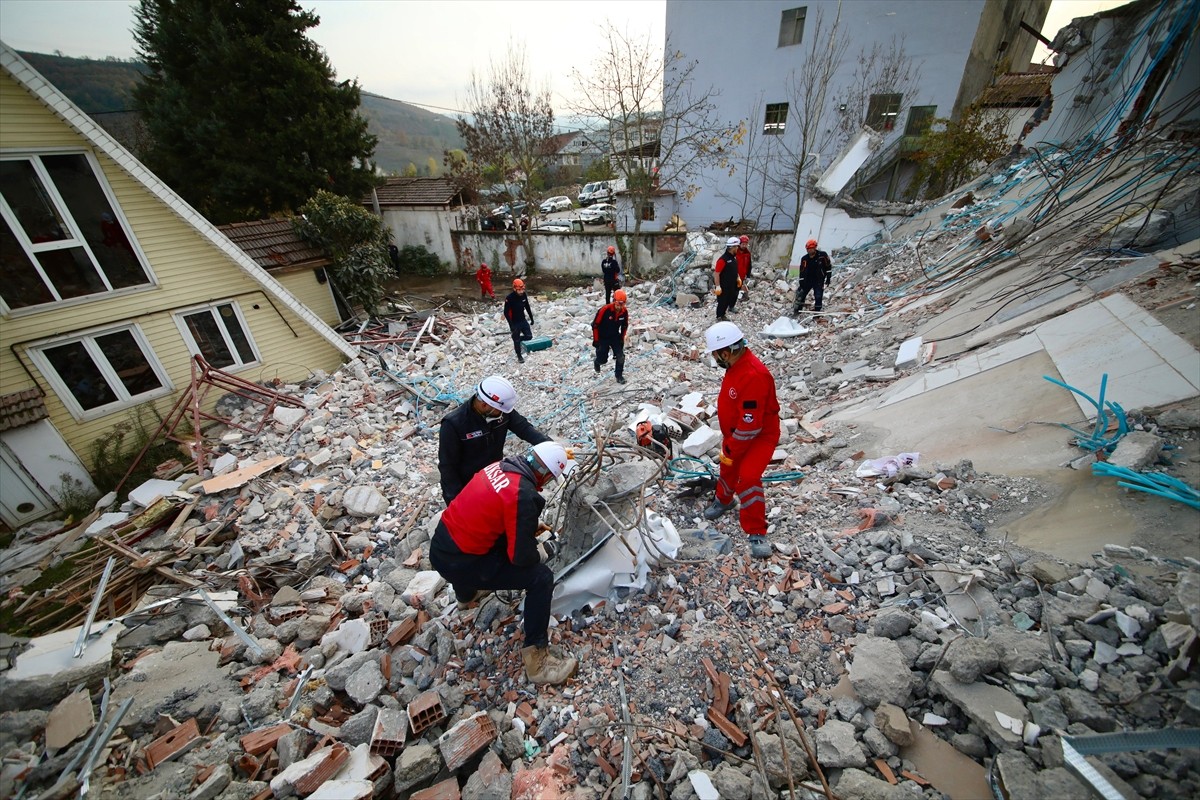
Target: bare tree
661, 128
511, 120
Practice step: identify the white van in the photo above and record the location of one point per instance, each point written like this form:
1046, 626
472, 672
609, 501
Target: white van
598, 192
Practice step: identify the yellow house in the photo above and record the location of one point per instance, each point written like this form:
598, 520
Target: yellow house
109, 284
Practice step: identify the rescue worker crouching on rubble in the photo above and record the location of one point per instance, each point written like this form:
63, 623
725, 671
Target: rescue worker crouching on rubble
472, 435
609, 327
816, 271
728, 280
488, 539
748, 412
516, 306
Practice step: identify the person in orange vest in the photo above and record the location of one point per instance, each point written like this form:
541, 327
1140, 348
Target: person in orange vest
608, 333
516, 306
748, 412
483, 276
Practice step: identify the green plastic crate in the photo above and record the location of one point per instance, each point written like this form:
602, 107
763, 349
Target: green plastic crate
540, 343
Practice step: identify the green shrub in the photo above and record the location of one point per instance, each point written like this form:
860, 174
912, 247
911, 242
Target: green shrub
415, 259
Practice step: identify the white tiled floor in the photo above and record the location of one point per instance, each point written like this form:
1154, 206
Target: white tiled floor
1146, 364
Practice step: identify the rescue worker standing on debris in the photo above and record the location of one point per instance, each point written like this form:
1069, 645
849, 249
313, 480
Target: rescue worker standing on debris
608, 333
483, 276
516, 306
610, 268
816, 271
744, 267
473, 435
748, 412
728, 280
488, 539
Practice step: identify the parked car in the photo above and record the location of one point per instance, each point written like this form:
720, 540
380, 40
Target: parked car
556, 225
599, 214
510, 210
552, 204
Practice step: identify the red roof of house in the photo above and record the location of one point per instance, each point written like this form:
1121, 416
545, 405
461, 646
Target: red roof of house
274, 243
414, 192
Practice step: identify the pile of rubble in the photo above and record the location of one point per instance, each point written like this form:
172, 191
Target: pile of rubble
287, 637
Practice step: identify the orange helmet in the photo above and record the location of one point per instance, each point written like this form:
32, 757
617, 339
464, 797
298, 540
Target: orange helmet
810, 244
619, 296
611, 249
518, 284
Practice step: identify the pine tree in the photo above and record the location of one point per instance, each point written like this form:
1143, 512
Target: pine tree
244, 111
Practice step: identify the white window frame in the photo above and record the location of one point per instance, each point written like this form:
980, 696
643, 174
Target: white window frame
76, 240
88, 339
194, 347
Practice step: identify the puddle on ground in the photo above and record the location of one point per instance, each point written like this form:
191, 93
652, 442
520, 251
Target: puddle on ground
1086, 515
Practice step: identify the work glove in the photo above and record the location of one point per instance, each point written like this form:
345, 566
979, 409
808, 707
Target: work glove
739, 283
547, 550
726, 459
717, 291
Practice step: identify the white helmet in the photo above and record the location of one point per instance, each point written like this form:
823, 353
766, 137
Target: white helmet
732, 241
722, 334
498, 393
555, 459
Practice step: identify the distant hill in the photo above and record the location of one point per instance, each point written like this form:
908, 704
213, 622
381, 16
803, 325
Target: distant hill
104, 89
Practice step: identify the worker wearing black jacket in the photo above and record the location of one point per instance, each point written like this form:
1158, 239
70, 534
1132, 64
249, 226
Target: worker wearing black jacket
608, 333
516, 306
472, 435
816, 271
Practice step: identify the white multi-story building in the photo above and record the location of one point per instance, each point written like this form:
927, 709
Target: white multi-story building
757, 54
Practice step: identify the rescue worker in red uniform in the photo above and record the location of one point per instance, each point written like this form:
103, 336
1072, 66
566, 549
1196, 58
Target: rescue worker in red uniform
744, 267
748, 412
728, 280
488, 539
483, 276
609, 327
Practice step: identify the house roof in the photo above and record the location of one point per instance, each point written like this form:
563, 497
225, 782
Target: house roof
414, 192
74, 118
1017, 89
274, 244
647, 150
21, 408
552, 145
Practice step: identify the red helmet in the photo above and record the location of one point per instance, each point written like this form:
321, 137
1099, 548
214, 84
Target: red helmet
518, 284
811, 244
619, 296
611, 249
744, 239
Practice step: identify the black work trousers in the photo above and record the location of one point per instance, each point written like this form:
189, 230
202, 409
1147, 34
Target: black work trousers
468, 573
618, 352
817, 287
521, 332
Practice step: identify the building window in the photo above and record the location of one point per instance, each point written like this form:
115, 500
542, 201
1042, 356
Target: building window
218, 333
882, 111
104, 372
60, 237
647, 212
776, 118
919, 120
791, 26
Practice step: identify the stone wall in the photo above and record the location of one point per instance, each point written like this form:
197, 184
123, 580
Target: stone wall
581, 253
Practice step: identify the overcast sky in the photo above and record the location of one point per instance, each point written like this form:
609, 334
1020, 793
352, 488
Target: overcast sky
420, 51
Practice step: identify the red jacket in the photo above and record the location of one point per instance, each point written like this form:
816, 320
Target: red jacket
743, 259
501, 500
484, 276
609, 324
747, 408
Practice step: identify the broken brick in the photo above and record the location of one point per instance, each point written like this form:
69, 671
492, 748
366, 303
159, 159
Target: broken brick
466, 739
173, 743
446, 790
258, 742
425, 711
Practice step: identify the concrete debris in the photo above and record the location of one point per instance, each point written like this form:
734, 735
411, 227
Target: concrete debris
889, 634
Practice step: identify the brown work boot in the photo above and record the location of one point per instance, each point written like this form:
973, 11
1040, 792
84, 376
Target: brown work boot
463, 605
548, 664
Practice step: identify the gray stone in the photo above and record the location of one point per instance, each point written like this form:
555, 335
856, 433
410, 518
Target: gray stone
892, 623
771, 747
490, 782
337, 675
1020, 651
214, 785
1179, 419
364, 501
980, 702
862, 786
1187, 593
837, 745
1082, 706
418, 762
972, 657
1136, 450
358, 729
1049, 714
878, 744
894, 724
1046, 571
732, 783
366, 683
880, 673
293, 747
1021, 778
971, 745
